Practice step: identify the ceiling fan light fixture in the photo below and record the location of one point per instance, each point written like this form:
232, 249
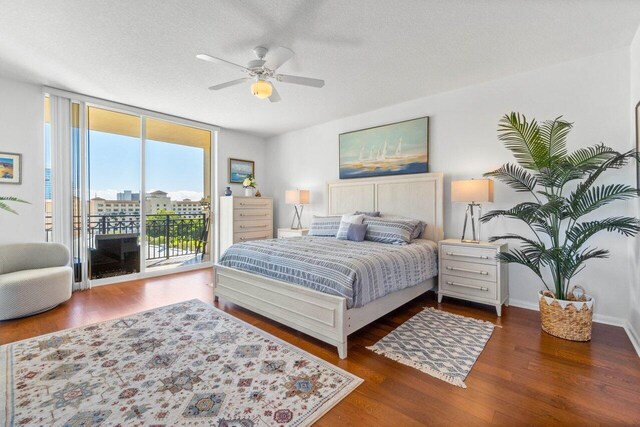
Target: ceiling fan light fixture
261, 89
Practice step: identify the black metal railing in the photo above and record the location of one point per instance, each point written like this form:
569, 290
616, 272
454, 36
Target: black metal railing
167, 235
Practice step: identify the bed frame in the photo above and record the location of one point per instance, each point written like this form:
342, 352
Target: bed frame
325, 316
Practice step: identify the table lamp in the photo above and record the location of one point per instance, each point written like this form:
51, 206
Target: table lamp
473, 192
297, 198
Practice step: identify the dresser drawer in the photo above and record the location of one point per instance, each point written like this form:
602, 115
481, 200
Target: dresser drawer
252, 235
466, 253
470, 270
252, 203
466, 286
252, 225
251, 214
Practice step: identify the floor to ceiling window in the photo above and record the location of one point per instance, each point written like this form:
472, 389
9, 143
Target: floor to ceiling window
114, 166
141, 192
177, 178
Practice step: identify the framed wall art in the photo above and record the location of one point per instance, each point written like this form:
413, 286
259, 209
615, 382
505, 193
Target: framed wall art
393, 149
239, 169
10, 168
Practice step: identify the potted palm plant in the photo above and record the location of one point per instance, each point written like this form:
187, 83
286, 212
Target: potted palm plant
563, 187
5, 207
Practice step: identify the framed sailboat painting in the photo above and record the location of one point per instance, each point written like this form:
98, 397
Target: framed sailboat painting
393, 149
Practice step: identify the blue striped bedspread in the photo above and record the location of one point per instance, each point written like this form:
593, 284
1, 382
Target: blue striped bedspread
358, 271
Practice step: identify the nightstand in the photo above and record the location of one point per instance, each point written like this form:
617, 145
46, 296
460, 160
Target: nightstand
470, 271
283, 233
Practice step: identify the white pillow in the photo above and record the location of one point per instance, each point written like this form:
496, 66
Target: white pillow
352, 219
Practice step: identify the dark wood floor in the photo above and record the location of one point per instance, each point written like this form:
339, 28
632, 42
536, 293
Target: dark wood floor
523, 377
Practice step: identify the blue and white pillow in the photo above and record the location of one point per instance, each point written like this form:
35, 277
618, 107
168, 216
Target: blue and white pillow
345, 221
417, 232
397, 231
353, 232
324, 226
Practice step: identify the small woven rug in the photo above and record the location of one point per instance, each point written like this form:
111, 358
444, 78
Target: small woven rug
441, 344
183, 364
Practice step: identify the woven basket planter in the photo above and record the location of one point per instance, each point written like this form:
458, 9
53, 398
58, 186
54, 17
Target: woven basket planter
568, 319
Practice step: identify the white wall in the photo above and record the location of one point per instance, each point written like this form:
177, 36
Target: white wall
633, 325
237, 145
592, 92
21, 131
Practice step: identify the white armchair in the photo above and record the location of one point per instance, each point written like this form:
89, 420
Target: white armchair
34, 277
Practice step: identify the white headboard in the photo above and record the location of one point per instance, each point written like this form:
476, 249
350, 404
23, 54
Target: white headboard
418, 196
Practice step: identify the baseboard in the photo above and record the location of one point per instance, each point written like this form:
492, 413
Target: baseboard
598, 318
633, 337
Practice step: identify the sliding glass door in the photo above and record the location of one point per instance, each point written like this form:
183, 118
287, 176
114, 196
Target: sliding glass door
141, 191
178, 194
114, 169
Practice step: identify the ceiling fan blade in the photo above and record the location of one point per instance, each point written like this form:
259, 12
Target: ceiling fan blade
215, 60
277, 57
305, 81
275, 96
231, 83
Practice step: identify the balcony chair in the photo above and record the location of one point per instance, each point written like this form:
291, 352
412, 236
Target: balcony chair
34, 277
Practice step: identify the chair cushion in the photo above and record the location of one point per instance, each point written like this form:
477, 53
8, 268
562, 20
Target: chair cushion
31, 291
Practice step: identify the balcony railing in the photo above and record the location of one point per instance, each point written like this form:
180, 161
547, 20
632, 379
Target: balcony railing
167, 235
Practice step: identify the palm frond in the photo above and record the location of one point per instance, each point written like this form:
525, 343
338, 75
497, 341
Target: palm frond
578, 235
5, 207
12, 199
615, 161
516, 256
584, 202
523, 211
591, 156
522, 138
514, 176
572, 265
554, 133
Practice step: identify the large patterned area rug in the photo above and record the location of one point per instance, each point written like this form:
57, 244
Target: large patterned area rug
183, 364
443, 345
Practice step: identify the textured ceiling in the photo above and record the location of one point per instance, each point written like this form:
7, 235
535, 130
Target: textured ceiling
371, 53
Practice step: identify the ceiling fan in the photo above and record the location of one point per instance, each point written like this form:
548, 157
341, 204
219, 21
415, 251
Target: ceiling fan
262, 70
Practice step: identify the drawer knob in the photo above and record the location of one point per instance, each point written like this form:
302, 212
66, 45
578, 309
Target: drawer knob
252, 226
464, 285
466, 270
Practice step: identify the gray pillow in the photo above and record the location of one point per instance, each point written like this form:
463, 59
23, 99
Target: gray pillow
357, 232
397, 231
324, 226
372, 213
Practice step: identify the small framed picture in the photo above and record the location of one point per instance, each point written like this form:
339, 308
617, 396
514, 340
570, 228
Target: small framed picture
10, 168
239, 169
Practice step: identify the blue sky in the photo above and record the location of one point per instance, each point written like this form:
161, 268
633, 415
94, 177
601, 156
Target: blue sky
114, 165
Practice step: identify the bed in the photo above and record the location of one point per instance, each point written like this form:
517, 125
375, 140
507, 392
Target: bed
331, 313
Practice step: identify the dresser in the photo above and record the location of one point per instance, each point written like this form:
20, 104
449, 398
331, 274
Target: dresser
470, 271
245, 218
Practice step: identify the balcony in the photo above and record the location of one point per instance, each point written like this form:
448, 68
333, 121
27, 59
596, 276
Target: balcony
171, 240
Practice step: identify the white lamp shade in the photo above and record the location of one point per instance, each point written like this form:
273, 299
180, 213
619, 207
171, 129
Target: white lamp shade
297, 197
472, 190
